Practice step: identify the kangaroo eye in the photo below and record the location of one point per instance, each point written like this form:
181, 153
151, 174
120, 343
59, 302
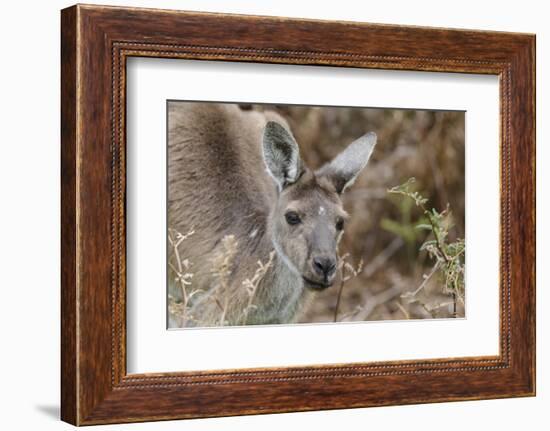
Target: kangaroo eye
340, 224
292, 218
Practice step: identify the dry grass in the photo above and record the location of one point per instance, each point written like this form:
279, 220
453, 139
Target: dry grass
219, 300
251, 286
180, 268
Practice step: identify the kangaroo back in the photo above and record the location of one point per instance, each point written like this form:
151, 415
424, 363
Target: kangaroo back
218, 186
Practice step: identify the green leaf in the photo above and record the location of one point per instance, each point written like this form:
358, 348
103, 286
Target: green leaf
424, 226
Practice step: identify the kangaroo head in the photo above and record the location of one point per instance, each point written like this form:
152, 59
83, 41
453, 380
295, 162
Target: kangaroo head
308, 218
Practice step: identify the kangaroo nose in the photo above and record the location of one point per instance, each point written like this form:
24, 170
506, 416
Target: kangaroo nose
324, 266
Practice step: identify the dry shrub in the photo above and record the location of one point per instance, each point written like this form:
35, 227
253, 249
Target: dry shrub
196, 307
181, 293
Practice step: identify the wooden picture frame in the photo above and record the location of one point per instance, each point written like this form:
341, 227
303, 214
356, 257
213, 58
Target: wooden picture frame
95, 43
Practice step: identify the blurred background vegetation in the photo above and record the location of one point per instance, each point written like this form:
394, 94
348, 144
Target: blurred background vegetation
390, 275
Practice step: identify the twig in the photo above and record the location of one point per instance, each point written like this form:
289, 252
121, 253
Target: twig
383, 257
436, 235
338, 298
454, 304
353, 272
253, 283
182, 277
373, 302
426, 279
405, 312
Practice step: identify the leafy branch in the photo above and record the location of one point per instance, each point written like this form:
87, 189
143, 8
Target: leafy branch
448, 256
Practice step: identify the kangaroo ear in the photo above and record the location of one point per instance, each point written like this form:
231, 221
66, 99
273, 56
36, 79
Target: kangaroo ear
281, 154
344, 169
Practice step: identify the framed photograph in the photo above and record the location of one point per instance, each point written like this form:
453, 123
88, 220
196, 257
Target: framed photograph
266, 215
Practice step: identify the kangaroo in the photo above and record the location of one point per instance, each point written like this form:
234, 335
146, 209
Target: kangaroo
239, 172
